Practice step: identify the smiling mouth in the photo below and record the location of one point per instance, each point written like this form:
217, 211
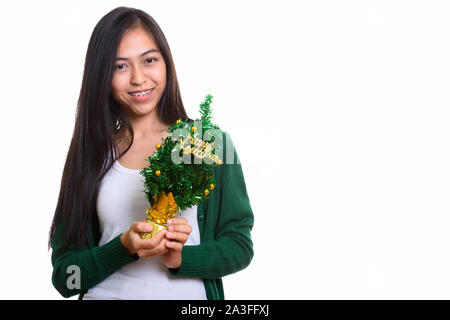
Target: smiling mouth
140, 93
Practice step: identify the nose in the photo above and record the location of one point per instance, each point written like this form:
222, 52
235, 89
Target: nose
137, 76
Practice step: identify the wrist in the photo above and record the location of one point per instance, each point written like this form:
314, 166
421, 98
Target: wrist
125, 243
176, 264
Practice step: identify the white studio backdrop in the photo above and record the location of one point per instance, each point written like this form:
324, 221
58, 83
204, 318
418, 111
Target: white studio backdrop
339, 111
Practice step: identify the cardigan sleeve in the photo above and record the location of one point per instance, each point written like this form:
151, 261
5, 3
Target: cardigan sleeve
90, 265
230, 248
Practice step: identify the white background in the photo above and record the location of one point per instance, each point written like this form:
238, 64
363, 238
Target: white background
339, 111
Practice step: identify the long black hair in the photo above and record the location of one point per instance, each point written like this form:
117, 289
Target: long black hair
98, 117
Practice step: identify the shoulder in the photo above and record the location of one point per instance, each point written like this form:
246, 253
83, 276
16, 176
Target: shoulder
231, 164
230, 155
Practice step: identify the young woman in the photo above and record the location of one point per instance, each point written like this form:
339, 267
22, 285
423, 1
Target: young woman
129, 97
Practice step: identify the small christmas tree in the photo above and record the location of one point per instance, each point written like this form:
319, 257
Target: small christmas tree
180, 173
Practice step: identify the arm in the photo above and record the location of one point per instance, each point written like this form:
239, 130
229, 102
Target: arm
94, 264
230, 249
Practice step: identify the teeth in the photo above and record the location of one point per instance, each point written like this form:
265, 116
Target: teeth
139, 94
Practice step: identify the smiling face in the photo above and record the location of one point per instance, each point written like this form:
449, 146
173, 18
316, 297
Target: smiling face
139, 68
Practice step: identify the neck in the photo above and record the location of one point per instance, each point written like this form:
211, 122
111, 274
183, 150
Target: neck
146, 126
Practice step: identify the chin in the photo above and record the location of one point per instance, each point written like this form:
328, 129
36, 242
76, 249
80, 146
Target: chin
143, 110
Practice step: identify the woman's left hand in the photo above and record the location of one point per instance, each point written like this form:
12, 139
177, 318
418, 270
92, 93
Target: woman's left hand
177, 236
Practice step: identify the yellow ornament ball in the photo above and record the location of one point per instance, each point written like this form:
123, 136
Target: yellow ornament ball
178, 121
206, 192
211, 186
193, 128
158, 173
158, 146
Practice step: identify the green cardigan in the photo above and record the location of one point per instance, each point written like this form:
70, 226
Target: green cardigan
224, 220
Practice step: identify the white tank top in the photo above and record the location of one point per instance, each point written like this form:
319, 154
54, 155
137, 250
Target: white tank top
121, 201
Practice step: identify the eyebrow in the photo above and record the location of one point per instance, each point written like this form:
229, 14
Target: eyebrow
143, 54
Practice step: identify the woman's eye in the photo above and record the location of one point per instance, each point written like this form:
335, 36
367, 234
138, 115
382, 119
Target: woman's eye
120, 66
150, 59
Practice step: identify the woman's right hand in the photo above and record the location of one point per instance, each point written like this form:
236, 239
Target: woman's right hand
145, 248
